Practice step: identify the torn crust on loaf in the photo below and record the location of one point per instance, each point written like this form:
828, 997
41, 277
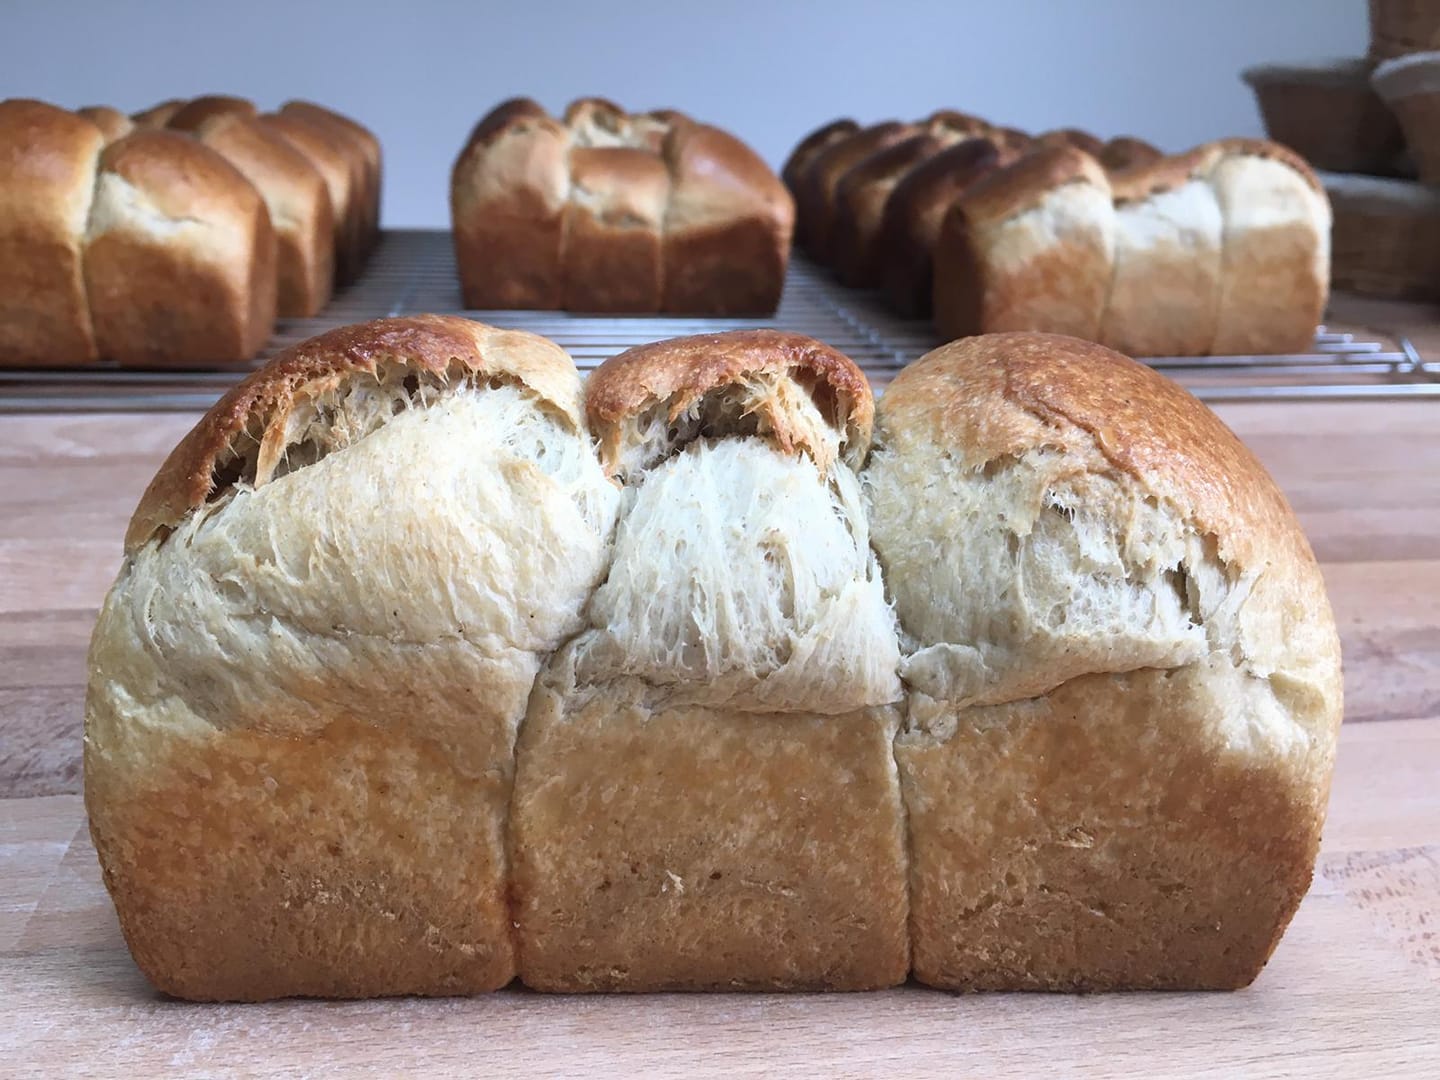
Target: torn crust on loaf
802, 395
251, 433
1135, 531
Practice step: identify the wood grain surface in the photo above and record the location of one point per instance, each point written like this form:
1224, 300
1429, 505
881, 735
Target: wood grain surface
1353, 990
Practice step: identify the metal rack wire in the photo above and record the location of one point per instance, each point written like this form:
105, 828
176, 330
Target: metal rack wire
414, 271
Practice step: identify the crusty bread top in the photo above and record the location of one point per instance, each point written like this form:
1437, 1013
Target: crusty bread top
889, 163
42, 146
953, 120
1001, 395
181, 177
249, 421
357, 130
114, 123
1017, 187
717, 175
808, 147
784, 378
1262, 148
1127, 152
157, 116
1142, 180
1080, 140
512, 113
195, 112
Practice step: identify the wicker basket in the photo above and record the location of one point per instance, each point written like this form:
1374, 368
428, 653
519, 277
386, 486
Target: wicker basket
1410, 86
1386, 237
1398, 27
1329, 114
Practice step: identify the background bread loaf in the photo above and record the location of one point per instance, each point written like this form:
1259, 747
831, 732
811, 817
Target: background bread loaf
616, 212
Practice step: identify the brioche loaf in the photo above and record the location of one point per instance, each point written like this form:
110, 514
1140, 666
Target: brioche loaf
636, 714
1275, 265
616, 212
805, 152
342, 164
296, 197
179, 255
1031, 245
706, 795
1126, 152
1224, 249
914, 212
819, 183
393, 524
1123, 673
368, 147
1165, 288
158, 116
860, 201
48, 159
112, 122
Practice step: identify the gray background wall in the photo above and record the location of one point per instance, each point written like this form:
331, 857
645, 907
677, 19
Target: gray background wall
420, 72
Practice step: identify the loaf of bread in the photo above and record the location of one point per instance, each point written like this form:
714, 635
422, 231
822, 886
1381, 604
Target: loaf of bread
1032, 245
1123, 675
327, 816
148, 250
179, 255
1126, 152
342, 166
1041, 692
295, 195
910, 222
48, 159
815, 202
609, 211
112, 122
158, 116
1222, 250
798, 163
364, 142
1164, 296
860, 201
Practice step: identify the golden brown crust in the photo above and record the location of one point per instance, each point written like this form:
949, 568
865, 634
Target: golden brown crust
913, 215
441, 344
342, 164
808, 148
114, 123
180, 255
1080, 140
157, 116
508, 192
681, 371
47, 178
1000, 267
1003, 394
728, 226
190, 116
955, 121
368, 146
297, 199
612, 227
860, 202
1263, 148
815, 199
1016, 188
1144, 179
1126, 152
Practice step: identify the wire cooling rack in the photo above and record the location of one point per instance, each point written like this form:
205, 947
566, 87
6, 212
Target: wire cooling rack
414, 271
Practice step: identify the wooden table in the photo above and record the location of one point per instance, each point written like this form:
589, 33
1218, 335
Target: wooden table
1354, 988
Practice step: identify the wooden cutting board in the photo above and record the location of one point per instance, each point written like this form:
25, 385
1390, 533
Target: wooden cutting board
1353, 990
